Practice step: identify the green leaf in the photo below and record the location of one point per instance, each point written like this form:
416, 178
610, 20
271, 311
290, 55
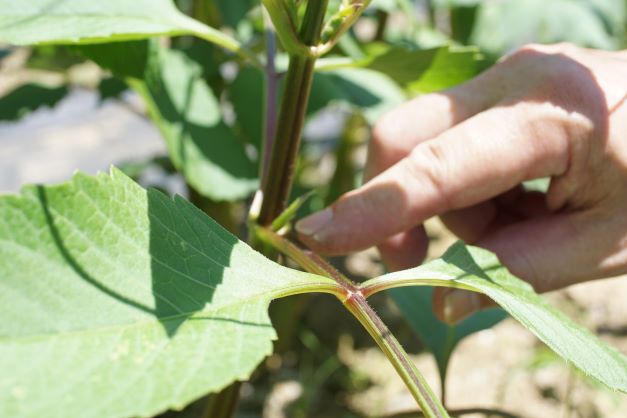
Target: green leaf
438, 337
246, 94
202, 147
479, 270
369, 91
124, 59
504, 25
233, 12
84, 22
111, 88
419, 70
116, 301
449, 67
28, 98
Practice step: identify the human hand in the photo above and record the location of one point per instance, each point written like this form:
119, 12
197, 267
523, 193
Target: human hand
545, 111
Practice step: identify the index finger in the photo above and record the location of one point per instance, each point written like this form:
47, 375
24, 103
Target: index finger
471, 162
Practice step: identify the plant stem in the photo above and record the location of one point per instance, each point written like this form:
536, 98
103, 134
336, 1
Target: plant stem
389, 281
430, 5
308, 260
221, 39
353, 299
460, 412
382, 21
280, 171
224, 403
359, 7
271, 92
286, 27
395, 353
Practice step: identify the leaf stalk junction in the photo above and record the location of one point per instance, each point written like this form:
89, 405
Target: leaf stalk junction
353, 297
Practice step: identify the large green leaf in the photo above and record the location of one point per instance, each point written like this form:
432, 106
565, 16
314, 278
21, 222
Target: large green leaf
438, 337
366, 90
427, 69
506, 24
479, 270
79, 21
202, 147
421, 70
28, 98
246, 93
120, 302
124, 59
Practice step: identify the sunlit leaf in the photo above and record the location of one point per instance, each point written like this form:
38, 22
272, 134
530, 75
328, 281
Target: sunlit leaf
420, 70
78, 21
202, 147
507, 24
120, 302
479, 270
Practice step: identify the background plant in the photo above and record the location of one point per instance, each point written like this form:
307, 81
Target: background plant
216, 108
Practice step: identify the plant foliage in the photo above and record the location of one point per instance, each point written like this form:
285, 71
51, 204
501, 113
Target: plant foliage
124, 302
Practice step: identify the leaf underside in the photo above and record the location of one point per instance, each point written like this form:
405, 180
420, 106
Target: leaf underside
79, 21
479, 270
118, 301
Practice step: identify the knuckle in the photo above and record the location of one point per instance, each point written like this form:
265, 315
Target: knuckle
560, 47
429, 166
548, 73
383, 133
387, 143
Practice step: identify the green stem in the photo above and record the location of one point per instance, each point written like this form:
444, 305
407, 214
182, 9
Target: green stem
286, 27
219, 38
271, 93
430, 4
359, 7
382, 21
280, 172
224, 403
308, 260
389, 281
353, 299
460, 412
415, 382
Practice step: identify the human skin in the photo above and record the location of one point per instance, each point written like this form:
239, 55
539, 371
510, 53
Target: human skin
555, 111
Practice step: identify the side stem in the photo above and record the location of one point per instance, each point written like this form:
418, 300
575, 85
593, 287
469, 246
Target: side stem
277, 183
353, 299
271, 92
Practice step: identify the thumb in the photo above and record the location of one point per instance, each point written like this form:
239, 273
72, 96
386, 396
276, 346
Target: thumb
549, 253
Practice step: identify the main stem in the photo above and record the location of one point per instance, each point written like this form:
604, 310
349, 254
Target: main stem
415, 382
279, 175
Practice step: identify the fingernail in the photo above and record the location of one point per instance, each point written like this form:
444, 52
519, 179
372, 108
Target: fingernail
459, 304
313, 224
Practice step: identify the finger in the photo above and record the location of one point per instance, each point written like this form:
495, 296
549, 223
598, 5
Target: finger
405, 250
425, 117
397, 133
471, 162
554, 252
516, 205
550, 253
472, 223
454, 305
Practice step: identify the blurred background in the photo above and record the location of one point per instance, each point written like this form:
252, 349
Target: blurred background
61, 112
